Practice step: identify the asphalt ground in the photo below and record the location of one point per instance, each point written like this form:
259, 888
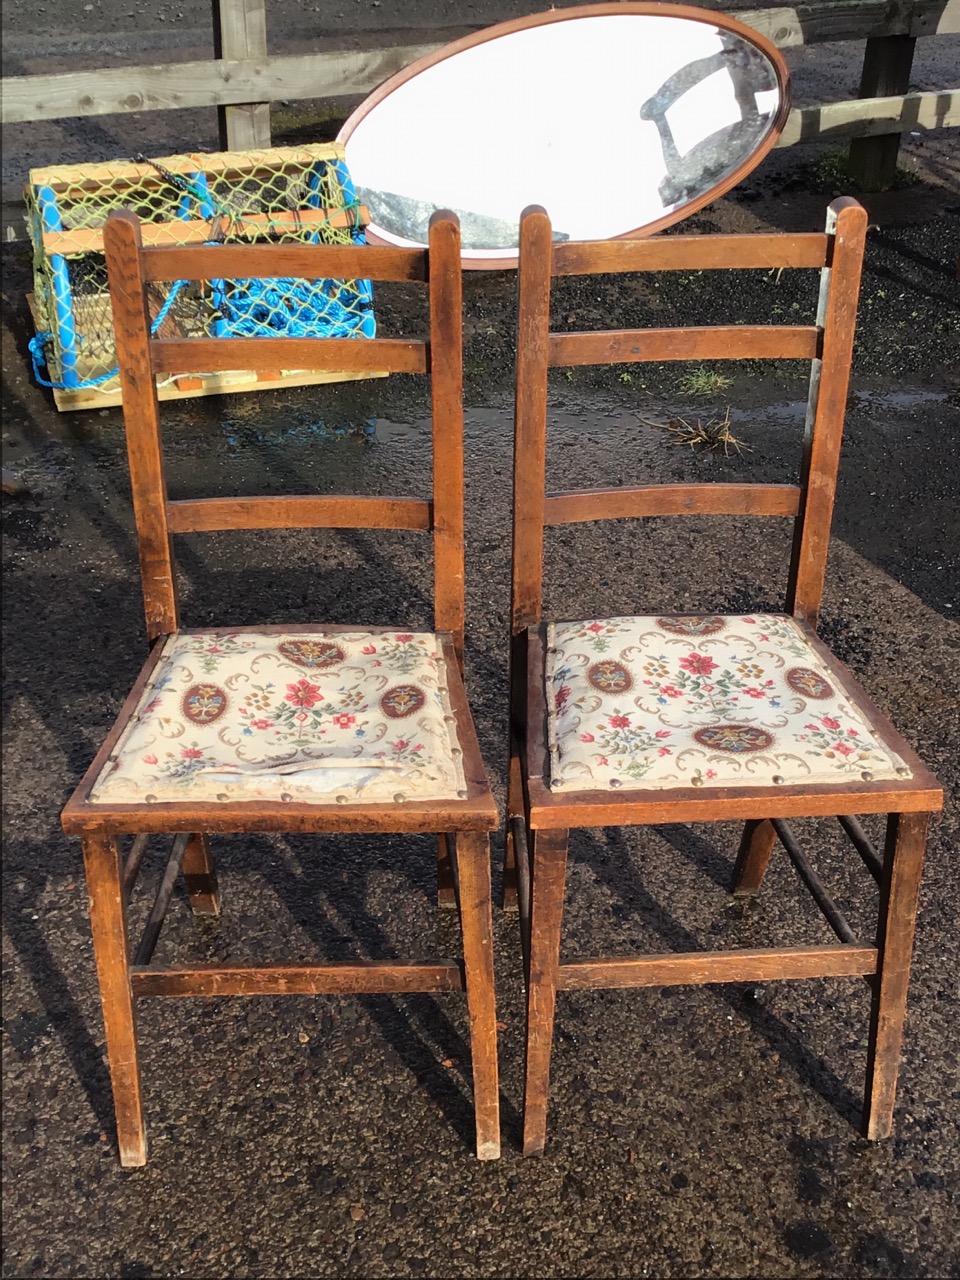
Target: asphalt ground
693, 1131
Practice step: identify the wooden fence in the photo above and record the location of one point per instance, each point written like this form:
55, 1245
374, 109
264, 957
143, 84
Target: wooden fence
243, 79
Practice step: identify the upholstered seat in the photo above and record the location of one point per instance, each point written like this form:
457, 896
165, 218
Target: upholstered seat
643, 703
324, 716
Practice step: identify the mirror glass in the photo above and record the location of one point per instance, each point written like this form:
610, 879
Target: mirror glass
617, 118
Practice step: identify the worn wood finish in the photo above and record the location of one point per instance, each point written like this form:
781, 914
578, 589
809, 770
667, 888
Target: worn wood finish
204, 515
197, 231
887, 61
131, 320
346, 977
446, 380
690, 253
239, 34
697, 968
899, 894
472, 862
753, 857
464, 821
200, 876
830, 380
543, 819
548, 880
108, 921
718, 342
672, 500
161, 265
203, 355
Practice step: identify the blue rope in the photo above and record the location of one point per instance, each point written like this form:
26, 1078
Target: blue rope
39, 342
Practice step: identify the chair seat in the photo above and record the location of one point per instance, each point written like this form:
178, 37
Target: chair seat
323, 716
648, 703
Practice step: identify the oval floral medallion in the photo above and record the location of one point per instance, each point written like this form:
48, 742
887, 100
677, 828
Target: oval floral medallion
204, 703
697, 624
315, 654
608, 676
402, 700
735, 738
810, 683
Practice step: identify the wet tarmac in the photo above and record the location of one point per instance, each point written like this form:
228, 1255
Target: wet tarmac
692, 1131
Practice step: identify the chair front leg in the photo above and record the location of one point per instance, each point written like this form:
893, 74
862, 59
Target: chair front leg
101, 858
899, 893
476, 921
547, 882
200, 876
756, 846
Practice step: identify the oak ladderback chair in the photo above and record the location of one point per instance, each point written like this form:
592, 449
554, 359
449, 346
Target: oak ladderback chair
630, 721
373, 733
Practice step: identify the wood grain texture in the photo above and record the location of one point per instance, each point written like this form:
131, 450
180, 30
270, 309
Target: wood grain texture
200, 876
472, 857
697, 968
306, 262
899, 896
717, 342
142, 420
548, 879
239, 34
672, 500
343, 977
830, 381
352, 355
298, 512
690, 253
108, 922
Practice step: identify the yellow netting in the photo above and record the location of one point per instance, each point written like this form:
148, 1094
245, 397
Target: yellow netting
285, 194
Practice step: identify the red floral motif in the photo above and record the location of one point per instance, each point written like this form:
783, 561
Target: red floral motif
344, 721
561, 696
369, 648
620, 722
191, 753
698, 664
149, 759
829, 723
303, 694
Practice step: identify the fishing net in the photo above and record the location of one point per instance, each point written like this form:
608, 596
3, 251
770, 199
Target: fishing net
281, 195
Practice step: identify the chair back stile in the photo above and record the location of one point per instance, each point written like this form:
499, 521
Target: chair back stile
123, 246
829, 386
132, 268
827, 344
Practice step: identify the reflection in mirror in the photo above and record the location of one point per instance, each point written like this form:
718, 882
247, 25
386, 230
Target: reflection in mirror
617, 118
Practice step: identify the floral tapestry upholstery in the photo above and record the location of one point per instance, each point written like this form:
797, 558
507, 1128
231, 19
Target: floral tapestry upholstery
648, 703
326, 718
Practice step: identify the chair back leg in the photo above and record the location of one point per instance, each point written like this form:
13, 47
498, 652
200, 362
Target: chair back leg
756, 846
200, 876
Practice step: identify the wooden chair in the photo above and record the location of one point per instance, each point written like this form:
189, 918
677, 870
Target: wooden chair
676, 719
172, 764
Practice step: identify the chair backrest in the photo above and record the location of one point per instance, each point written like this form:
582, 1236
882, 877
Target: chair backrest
827, 343
133, 269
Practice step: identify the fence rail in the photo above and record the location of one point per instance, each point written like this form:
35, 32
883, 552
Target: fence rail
243, 79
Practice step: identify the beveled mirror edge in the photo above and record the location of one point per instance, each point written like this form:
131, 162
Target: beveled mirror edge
653, 7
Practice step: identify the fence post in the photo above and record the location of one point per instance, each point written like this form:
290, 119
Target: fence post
240, 31
886, 73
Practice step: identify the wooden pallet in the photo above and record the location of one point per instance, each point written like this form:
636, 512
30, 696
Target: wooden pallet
108, 394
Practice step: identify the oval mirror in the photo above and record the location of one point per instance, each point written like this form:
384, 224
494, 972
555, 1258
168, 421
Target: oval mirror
619, 119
